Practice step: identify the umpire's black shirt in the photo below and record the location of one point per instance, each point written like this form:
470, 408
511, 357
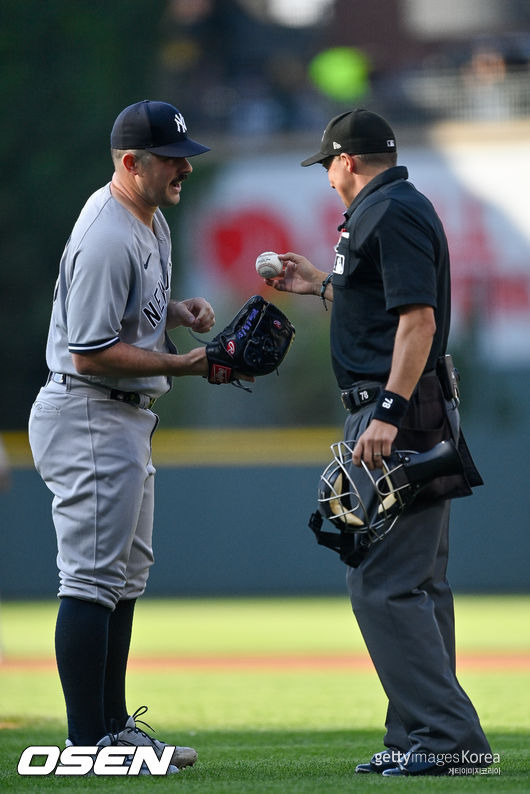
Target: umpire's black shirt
392, 252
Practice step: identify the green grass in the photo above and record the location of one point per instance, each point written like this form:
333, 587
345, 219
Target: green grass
263, 729
228, 626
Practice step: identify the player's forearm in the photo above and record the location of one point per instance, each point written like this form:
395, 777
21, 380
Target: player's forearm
128, 361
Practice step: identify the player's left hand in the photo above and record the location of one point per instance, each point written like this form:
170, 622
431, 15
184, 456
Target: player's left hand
375, 443
194, 313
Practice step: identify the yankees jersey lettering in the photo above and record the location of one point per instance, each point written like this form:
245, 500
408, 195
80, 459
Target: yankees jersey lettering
114, 285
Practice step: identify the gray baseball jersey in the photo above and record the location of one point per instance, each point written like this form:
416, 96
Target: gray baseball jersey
114, 285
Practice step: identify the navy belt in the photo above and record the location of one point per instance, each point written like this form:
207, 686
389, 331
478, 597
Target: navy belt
130, 397
361, 394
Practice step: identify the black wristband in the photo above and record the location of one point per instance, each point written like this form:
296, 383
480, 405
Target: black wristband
323, 289
391, 408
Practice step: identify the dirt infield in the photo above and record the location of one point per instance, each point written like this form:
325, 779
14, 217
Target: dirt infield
479, 662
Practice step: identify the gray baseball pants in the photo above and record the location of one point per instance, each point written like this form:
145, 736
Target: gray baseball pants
404, 607
94, 454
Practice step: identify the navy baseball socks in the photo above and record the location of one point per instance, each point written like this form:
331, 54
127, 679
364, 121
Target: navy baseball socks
81, 636
119, 640
92, 648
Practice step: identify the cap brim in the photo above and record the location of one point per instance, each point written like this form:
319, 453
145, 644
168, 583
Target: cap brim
186, 148
316, 158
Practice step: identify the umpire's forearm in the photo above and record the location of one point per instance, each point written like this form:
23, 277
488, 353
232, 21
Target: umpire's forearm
412, 346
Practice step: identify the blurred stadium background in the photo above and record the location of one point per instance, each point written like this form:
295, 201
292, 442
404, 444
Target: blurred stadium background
257, 80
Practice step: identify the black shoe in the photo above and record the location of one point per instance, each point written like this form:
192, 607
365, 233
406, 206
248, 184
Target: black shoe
421, 768
371, 769
415, 769
409, 766
387, 759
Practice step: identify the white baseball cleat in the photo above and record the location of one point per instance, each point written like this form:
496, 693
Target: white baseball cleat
110, 740
133, 735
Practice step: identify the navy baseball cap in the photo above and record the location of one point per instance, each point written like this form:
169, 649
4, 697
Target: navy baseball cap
357, 131
157, 127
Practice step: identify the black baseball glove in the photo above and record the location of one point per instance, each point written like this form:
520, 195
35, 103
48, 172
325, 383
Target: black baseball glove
254, 343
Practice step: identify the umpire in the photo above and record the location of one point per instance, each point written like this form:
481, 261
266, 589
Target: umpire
390, 289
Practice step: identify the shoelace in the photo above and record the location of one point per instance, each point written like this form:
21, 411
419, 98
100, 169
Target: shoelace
138, 713
113, 736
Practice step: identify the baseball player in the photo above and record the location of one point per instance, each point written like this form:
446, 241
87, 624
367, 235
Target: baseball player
390, 289
90, 428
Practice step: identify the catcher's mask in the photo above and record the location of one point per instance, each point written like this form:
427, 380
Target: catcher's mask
359, 501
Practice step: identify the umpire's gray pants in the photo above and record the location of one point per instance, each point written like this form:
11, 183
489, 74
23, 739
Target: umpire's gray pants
404, 607
94, 454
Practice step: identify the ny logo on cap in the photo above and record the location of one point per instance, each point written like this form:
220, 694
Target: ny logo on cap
179, 121
390, 142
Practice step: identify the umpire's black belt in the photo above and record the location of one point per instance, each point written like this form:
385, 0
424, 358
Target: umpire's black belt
130, 397
361, 394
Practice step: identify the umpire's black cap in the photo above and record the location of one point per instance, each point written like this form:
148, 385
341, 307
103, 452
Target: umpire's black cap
157, 127
357, 131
